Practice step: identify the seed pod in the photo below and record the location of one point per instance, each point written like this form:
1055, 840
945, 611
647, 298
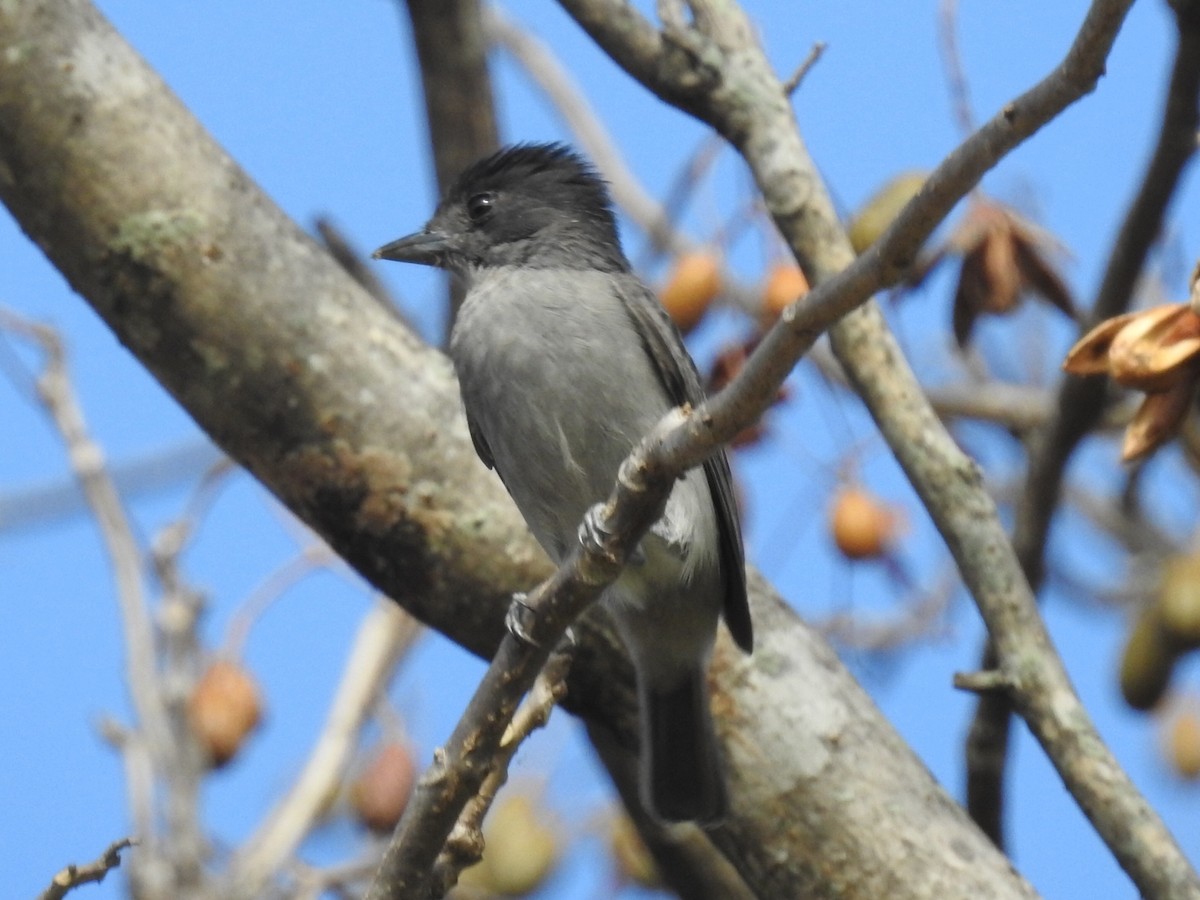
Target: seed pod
694, 283
224, 708
878, 213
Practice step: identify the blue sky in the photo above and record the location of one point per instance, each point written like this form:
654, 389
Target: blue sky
320, 103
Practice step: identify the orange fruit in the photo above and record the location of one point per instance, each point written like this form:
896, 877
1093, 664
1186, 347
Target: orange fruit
694, 283
784, 286
224, 708
863, 527
1183, 743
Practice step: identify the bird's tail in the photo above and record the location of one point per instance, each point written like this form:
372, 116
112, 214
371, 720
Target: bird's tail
682, 775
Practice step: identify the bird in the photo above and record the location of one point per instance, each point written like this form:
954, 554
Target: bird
565, 360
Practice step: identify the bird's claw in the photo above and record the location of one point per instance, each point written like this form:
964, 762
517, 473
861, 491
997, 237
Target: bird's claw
519, 619
593, 533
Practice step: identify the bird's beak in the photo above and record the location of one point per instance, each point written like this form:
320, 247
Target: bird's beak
425, 247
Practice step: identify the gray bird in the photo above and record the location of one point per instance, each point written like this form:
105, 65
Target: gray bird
565, 360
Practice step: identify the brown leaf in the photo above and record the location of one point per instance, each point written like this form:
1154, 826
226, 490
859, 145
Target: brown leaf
1000, 271
968, 298
1157, 420
1089, 356
1041, 277
1155, 349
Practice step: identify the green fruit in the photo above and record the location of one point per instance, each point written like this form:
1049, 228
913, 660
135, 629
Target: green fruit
1179, 600
880, 211
1147, 661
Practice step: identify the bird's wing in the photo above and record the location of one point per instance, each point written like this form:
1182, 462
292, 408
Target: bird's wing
482, 450
678, 375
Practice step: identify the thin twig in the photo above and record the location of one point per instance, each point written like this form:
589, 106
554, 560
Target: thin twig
88, 464
916, 620
960, 95
73, 876
806, 65
311, 557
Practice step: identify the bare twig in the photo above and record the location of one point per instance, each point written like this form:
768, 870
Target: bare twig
917, 619
960, 95
139, 773
73, 876
355, 265
62, 497
88, 464
806, 65
312, 556
1017, 407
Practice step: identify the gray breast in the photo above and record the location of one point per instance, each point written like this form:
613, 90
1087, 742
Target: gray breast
556, 381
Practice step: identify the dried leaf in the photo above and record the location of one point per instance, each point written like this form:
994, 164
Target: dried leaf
1156, 348
968, 298
1000, 272
1042, 278
1089, 356
1157, 420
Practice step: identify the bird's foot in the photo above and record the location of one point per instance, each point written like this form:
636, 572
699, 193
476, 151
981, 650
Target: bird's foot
593, 533
520, 618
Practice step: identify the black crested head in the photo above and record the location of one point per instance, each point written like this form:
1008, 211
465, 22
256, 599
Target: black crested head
534, 205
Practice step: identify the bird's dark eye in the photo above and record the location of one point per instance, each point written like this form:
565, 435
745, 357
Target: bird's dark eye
480, 206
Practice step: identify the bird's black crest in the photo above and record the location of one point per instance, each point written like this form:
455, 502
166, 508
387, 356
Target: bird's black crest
532, 163
553, 172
